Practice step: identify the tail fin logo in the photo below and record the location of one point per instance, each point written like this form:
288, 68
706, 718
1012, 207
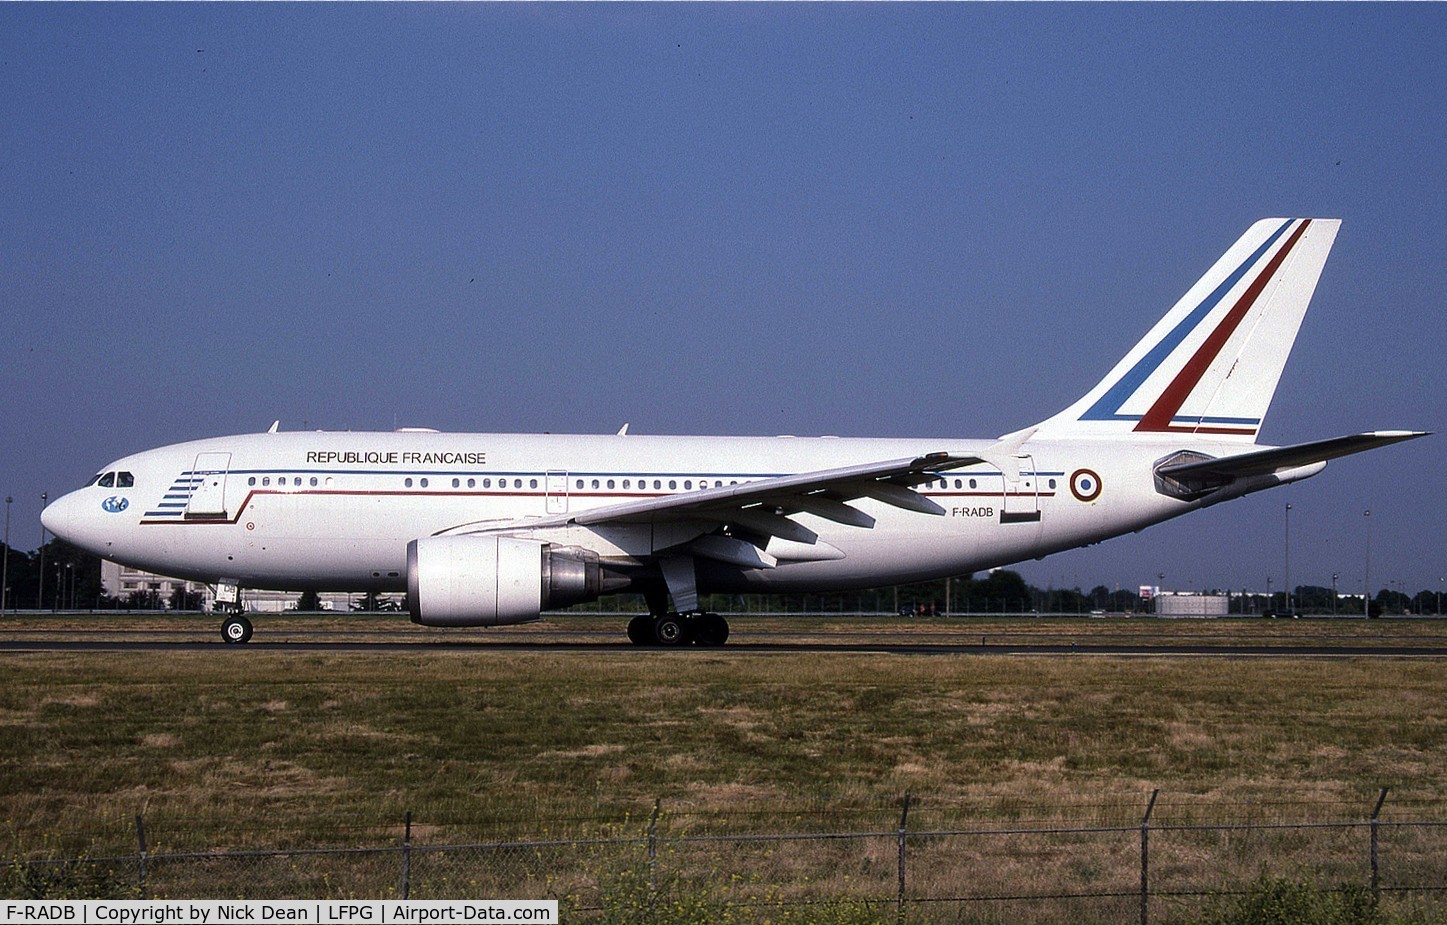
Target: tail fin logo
1211, 365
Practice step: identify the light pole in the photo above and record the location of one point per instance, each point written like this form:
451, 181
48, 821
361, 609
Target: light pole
5, 580
1367, 572
1439, 577
1334, 576
40, 592
1289, 611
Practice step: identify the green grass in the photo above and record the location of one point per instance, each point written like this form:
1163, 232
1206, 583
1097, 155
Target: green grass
253, 747
250, 748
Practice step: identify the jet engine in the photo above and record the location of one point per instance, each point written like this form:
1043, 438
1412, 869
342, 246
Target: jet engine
497, 580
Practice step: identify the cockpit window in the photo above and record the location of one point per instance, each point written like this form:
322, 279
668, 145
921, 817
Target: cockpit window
93, 479
113, 480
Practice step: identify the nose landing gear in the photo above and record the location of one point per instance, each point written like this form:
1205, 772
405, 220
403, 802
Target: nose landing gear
236, 629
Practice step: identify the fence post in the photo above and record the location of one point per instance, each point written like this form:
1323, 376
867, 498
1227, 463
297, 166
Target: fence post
653, 851
407, 855
1146, 859
903, 831
141, 855
1376, 880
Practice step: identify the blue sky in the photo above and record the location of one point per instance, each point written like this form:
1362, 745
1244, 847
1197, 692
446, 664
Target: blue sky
861, 220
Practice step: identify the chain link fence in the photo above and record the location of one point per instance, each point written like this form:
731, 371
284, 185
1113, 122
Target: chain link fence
662, 870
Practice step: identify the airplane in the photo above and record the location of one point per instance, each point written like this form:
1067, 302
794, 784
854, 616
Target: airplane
493, 529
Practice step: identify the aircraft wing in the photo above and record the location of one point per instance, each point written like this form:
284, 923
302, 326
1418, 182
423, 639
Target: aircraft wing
1265, 462
763, 507
824, 492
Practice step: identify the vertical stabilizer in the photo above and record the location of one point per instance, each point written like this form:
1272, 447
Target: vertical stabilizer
1211, 365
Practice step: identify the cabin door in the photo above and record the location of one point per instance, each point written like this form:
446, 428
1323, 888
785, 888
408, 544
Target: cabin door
208, 485
557, 492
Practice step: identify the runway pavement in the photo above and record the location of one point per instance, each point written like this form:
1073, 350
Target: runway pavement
904, 641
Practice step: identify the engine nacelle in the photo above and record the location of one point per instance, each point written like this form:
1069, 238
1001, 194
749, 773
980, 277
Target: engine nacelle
495, 580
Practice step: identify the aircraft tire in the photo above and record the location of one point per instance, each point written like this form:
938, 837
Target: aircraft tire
711, 629
236, 630
640, 630
670, 629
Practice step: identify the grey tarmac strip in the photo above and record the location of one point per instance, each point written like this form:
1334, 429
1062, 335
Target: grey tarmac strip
742, 647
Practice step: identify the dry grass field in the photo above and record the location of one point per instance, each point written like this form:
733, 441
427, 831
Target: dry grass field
241, 747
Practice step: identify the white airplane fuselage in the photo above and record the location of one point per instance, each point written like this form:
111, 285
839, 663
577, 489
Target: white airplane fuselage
335, 511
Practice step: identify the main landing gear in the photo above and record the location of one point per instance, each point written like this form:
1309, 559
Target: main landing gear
236, 629
678, 629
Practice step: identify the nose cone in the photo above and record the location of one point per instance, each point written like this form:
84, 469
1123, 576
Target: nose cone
54, 519
77, 518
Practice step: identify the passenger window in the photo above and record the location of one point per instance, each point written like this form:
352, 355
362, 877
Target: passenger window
672, 484
517, 483
314, 481
595, 483
532, 483
108, 480
472, 483
424, 483
456, 483
1052, 484
657, 483
610, 483
266, 480
580, 484
408, 483
688, 484
973, 483
627, 484
251, 481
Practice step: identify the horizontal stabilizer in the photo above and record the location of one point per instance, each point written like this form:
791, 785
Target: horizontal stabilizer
1265, 462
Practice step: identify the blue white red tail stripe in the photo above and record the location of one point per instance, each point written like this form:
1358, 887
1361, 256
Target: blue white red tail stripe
1162, 414
1211, 365
1109, 405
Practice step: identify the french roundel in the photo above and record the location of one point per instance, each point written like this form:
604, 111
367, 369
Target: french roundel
1084, 485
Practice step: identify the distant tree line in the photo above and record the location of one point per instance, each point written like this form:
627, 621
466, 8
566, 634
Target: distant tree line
59, 576
69, 579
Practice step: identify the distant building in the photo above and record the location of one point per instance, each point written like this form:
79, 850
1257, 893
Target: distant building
1191, 604
121, 581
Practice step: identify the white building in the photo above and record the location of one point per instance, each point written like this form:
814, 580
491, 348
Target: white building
122, 581
1191, 604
